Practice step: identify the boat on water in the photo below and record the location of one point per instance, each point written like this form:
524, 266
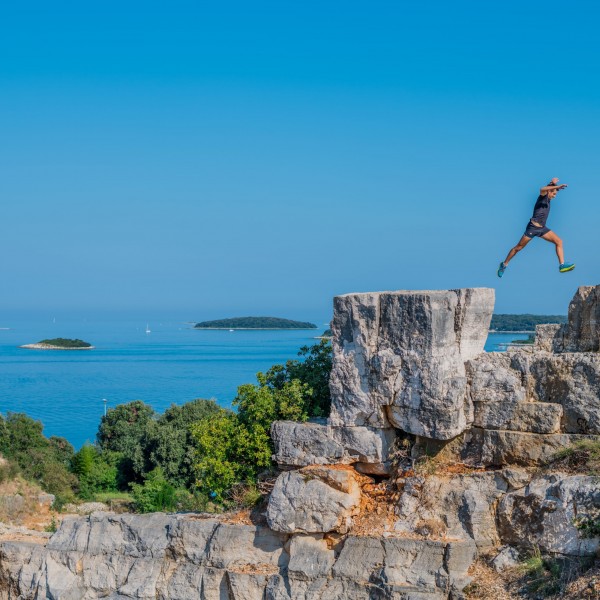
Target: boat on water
148, 328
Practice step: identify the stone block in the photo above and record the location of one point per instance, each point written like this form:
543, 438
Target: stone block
572, 380
310, 557
532, 417
317, 443
314, 500
399, 358
499, 448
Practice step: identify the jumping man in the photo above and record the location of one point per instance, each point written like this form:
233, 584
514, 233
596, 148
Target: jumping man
537, 228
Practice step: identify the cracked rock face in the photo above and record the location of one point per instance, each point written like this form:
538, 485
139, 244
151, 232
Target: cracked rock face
399, 359
314, 500
544, 514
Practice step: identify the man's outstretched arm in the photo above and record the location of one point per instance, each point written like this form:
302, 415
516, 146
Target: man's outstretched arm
553, 185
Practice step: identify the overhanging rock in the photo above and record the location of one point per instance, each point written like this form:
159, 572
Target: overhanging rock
399, 358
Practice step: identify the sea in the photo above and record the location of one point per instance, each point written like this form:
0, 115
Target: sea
162, 361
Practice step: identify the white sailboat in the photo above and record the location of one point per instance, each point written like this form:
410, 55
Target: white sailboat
148, 328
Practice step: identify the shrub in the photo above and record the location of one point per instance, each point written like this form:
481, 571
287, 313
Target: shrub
155, 494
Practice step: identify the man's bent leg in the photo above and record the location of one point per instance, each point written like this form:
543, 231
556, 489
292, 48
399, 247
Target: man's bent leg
553, 238
522, 243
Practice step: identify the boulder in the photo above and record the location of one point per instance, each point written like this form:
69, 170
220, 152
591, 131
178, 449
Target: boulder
314, 500
507, 558
545, 513
399, 358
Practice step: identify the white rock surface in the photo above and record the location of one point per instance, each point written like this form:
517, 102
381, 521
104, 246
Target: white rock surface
314, 500
399, 358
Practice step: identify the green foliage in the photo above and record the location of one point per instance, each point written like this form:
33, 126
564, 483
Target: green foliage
97, 472
233, 449
124, 429
582, 456
66, 343
169, 443
530, 339
589, 525
52, 526
523, 322
155, 494
38, 458
255, 323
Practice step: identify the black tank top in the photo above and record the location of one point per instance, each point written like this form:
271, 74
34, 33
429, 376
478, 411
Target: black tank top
541, 210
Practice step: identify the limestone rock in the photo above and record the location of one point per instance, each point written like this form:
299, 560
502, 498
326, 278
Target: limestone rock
572, 380
461, 507
549, 337
582, 333
310, 557
543, 515
531, 417
314, 500
499, 448
317, 443
236, 546
507, 558
399, 358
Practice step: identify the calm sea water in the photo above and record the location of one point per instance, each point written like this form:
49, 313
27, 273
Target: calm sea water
172, 364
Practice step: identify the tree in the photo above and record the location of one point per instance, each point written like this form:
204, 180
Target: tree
313, 371
169, 444
124, 430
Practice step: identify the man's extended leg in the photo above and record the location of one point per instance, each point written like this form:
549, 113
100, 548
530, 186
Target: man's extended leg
554, 239
521, 244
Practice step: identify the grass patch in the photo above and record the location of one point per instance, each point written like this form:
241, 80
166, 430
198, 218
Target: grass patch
581, 457
549, 576
108, 496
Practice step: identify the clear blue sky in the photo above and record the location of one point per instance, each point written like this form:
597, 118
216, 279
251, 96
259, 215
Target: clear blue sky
260, 157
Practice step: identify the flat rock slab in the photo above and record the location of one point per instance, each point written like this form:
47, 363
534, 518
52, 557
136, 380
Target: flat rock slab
399, 358
499, 448
304, 444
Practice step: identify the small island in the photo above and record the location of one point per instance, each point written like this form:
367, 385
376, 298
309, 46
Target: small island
59, 344
254, 323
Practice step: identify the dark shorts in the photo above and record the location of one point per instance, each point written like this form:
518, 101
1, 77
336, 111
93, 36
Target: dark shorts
533, 231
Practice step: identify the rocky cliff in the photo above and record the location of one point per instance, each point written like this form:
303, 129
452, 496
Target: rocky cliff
434, 454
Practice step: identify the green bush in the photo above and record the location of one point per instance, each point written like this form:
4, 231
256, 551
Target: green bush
38, 458
155, 494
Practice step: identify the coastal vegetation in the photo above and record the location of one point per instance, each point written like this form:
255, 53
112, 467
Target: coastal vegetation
523, 322
196, 456
254, 323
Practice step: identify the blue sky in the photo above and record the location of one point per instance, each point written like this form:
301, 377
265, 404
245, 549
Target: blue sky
259, 158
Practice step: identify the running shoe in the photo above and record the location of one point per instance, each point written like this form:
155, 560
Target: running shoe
501, 269
566, 267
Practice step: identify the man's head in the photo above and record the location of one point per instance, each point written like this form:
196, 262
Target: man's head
552, 193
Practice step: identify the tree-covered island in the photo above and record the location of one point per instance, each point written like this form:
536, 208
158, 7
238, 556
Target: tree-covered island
525, 323
254, 323
60, 344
